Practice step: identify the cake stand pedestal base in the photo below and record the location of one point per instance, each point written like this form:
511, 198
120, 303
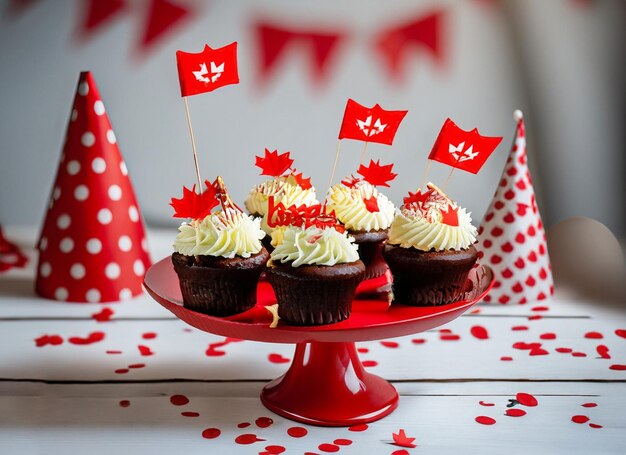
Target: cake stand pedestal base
327, 385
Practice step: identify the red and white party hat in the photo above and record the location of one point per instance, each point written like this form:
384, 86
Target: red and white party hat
511, 238
92, 246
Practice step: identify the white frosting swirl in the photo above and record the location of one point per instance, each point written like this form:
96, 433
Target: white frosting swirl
285, 189
315, 246
350, 209
413, 229
226, 233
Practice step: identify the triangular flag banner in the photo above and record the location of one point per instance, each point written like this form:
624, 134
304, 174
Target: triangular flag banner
92, 247
98, 12
162, 16
511, 238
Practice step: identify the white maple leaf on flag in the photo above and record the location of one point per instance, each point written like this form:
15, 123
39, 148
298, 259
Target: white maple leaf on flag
368, 129
460, 155
216, 72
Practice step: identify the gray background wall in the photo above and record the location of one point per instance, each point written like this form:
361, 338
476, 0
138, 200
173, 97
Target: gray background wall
561, 61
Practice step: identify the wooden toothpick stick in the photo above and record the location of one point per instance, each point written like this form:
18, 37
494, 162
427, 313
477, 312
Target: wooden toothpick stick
445, 185
426, 174
363, 153
332, 175
193, 146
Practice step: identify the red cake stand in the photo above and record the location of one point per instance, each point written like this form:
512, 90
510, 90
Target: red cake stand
326, 383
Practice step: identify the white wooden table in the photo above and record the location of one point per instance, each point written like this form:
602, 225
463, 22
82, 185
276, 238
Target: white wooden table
115, 394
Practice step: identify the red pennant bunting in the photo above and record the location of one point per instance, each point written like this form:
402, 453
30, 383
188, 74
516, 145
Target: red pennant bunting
162, 16
274, 40
461, 149
424, 32
97, 13
370, 124
15, 7
207, 70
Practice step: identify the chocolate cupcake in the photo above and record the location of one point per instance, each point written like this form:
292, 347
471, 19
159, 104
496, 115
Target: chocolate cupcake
430, 250
367, 214
315, 272
219, 259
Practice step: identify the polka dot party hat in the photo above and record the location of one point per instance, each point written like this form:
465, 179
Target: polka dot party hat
511, 238
92, 246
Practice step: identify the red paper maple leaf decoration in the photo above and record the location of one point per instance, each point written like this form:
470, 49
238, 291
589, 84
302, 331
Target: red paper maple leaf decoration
273, 163
417, 198
371, 204
193, 205
351, 181
376, 174
402, 440
451, 217
305, 183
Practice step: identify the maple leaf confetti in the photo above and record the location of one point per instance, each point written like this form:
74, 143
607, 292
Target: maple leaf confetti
451, 216
402, 440
273, 163
376, 174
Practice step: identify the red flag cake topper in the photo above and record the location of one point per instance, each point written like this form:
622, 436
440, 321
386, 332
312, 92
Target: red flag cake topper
207, 70
92, 246
462, 149
511, 238
370, 124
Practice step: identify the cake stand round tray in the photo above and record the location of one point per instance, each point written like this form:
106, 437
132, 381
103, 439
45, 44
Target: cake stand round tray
326, 383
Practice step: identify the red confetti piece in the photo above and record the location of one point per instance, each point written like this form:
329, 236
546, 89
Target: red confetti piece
179, 400
515, 412
190, 414
519, 327
589, 405
540, 308
445, 331
539, 351
620, 333
44, 340
360, 427
103, 315
594, 335
580, 419
328, 448
618, 367
564, 350
110, 351
247, 439
211, 433
369, 363
506, 358
475, 311
149, 336
277, 358
263, 422
484, 420
595, 425
342, 442
274, 450
363, 350
548, 336
484, 403
603, 351
579, 354
526, 399
418, 340
449, 337
145, 350
400, 452
93, 337
297, 432
390, 344
137, 365
524, 346
479, 332
243, 425
534, 317
402, 440
122, 371
124, 403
